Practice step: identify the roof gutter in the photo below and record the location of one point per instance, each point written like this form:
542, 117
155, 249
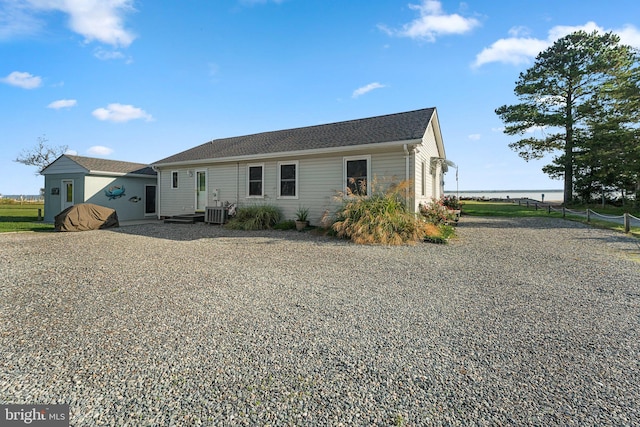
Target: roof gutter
140, 175
342, 149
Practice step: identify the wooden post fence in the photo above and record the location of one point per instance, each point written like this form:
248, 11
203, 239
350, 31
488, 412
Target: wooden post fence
627, 226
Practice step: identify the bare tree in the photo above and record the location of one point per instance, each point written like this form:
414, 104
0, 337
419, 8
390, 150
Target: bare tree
42, 155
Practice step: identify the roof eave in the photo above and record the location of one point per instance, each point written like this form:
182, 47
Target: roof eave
311, 152
105, 173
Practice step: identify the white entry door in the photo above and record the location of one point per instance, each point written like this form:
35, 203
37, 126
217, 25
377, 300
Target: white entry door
66, 195
201, 190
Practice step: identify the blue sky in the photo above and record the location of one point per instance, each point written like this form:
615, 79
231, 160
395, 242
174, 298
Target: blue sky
139, 80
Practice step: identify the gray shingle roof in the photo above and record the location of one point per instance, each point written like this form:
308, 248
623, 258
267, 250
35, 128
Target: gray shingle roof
392, 127
103, 165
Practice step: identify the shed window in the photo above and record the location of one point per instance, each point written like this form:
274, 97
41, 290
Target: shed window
288, 179
255, 181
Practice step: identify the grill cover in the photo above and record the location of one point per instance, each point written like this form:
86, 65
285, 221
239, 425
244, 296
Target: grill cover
86, 216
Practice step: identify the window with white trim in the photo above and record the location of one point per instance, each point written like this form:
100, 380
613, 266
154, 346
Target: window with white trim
357, 171
174, 179
255, 180
288, 180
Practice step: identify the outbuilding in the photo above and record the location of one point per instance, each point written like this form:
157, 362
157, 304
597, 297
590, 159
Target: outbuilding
129, 188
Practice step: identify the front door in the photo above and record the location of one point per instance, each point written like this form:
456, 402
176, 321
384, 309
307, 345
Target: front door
201, 190
66, 195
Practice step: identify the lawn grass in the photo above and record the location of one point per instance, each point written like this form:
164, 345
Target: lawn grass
22, 217
510, 209
477, 208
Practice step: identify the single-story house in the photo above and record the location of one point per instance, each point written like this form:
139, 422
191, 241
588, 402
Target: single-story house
129, 188
306, 167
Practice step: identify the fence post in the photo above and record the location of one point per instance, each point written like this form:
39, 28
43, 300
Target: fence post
588, 216
626, 223
563, 212
549, 209
536, 206
527, 203
39, 214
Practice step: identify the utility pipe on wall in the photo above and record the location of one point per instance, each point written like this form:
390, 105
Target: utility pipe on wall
406, 172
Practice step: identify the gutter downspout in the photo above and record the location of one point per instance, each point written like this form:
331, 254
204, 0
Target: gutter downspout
158, 192
406, 172
237, 183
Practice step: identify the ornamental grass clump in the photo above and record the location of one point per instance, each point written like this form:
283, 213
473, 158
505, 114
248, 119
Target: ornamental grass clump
259, 217
380, 218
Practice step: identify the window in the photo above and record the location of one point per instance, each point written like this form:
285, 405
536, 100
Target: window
69, 191
288, 180
174, 179
256, 178
356, 175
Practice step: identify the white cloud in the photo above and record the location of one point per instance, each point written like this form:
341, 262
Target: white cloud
474, 136
519, 31
365, 89
629, 35
519, 49
433, 22
71, 152
120, 113
560, 31
23, 80
62, 103
99, 150
100, 20
105, 55
513, 50
16, 20
535, 129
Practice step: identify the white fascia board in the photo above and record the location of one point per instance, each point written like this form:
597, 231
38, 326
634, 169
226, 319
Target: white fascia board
296, 153
134, 175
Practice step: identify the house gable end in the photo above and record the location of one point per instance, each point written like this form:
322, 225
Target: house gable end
64, 165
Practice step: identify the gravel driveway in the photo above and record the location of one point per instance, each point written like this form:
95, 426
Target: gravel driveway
530, 321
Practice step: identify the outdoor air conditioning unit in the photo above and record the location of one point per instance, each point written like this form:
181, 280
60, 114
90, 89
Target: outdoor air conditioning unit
216, 214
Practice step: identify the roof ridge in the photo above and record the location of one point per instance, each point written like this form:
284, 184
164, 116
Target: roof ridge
320, 125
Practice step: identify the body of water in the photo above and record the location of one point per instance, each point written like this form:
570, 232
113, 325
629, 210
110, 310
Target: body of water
549, 195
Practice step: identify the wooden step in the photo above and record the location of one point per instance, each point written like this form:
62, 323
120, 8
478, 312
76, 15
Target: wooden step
179, 221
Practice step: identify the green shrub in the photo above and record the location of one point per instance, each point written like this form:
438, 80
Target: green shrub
451, 202
437, 213
288, 224
381, 218
258, 217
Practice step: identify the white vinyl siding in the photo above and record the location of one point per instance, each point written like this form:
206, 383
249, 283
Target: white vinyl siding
319, 180
175, 201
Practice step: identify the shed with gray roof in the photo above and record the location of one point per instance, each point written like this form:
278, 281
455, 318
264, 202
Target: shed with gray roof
306, 166
129, 188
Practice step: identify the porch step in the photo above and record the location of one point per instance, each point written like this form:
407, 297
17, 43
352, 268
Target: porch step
185, 219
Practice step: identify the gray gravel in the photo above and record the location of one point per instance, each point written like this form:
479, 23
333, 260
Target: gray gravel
528, 321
